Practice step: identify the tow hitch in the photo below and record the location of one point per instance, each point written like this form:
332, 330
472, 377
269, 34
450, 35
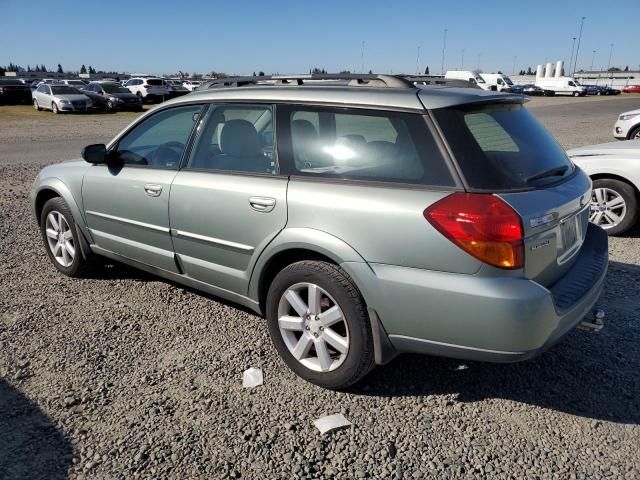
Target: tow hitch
594, 325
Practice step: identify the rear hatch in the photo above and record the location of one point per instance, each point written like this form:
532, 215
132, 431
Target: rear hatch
501, 149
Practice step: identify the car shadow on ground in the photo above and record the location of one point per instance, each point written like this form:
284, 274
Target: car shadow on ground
592, 375
31, 445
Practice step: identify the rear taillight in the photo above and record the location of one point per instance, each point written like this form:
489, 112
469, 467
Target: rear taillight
148, 86
483, 225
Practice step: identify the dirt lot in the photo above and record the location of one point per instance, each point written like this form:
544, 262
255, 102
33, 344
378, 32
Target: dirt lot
126, 376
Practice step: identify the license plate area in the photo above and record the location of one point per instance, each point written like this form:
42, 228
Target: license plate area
569, 232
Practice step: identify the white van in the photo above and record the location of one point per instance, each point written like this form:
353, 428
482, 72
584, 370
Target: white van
470, 76
499, 80
562, 86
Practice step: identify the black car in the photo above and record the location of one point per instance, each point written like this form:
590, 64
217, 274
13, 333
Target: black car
534, 90
14, 91
112, 96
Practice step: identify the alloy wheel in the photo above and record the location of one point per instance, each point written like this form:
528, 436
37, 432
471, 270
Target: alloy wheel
313, 327
608, 208
60, 238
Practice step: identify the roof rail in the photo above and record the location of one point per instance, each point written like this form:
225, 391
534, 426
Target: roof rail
438, 81
352, 80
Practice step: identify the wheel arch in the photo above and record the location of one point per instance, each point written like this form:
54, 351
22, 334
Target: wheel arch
54, 187
613, 176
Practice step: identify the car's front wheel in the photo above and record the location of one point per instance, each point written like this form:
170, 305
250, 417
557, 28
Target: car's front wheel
635, 133
61, 239
613, 205
35, 105
319, 324
54, 108
109, 106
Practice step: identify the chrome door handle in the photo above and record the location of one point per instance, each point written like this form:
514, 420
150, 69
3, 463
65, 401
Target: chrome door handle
262, 204
153, 190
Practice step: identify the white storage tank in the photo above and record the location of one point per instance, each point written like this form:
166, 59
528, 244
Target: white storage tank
548, 73
559, 65
539, 71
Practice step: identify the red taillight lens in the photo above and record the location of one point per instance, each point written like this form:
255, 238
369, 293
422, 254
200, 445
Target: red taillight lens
148, 86
482, 225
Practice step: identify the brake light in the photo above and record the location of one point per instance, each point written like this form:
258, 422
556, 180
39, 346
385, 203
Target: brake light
148, 86
483, 225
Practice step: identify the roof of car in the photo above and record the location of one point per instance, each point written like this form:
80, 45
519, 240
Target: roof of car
410, 98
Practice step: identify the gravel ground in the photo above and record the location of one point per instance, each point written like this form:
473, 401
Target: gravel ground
127, 376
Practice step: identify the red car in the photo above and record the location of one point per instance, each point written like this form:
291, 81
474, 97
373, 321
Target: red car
631, 89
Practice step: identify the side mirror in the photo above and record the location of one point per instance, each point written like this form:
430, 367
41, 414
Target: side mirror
95, 154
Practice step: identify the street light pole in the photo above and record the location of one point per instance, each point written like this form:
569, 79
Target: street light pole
513, 70
610, 53
418, 62
444, 46
593, 57
479, 55
362, 58
462, 63
573, 46
575, 67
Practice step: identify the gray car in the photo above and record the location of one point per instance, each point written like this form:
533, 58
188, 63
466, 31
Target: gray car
60, 98
363, 217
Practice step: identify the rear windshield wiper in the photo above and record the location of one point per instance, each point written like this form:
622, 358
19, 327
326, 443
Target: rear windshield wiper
552, 172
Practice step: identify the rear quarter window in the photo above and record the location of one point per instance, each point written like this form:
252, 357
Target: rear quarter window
502, 147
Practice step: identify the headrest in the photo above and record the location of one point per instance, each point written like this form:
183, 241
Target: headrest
239, 138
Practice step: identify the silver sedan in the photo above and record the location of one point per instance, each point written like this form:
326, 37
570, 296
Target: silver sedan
60, 98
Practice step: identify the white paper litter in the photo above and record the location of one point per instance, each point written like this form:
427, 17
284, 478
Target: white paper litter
331, 422
252, 377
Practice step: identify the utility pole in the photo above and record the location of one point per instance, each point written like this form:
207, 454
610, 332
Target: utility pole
479, 56
462, 63
573, 46
593, 57
610, 53
444, 46
513, 70
575, 67
362, 58
418, 62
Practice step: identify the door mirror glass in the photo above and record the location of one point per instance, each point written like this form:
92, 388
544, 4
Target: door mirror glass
95, 154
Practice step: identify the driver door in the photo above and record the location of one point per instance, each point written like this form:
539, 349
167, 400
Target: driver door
126, 200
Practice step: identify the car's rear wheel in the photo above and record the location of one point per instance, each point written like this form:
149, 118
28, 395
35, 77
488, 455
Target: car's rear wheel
61, 239
54, 108
613, 205
635, 133
35, 105
319, 324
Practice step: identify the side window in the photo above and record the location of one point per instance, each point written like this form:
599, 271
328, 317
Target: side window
360, 145
47, 89
571, 84
236, 138
500, 82
40, 89
159, 141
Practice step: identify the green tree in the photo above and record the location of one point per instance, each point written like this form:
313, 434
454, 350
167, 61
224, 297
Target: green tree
83, 69
60, 69
626, 69
92, 71
261, 73
426, 70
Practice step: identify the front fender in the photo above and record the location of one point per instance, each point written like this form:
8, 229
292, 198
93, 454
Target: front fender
302, 238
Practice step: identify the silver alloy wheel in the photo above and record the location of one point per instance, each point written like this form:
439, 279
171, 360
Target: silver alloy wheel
35, 105
637, 134
315, 331
60, 238
608, 208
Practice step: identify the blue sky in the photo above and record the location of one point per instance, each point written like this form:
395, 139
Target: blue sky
158, 36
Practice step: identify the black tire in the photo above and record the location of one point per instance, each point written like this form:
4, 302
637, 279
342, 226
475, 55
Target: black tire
109, 106
359, 359
54, 108
576, 94
627, 192
634, 134
35, 105
80, 266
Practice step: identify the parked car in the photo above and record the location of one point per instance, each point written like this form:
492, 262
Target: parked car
175, 87
615, 171
472, 76
533, 90
79, 84
500, 81
562, 86
14, 91
151, 89
631, 89
627, 127
362, 238
111, 96
60, 99
191, 85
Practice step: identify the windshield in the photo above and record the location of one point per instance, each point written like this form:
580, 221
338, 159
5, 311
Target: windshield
76, 82
10, 82
479, 79
577, 83
63, 90
154, 81
114, 88
502, 147
508, 80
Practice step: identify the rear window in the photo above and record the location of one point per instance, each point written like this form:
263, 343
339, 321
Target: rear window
502, 147
154, 81
360, 145
4, 83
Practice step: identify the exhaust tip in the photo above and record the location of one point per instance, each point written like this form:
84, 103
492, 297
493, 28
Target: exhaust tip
596, 324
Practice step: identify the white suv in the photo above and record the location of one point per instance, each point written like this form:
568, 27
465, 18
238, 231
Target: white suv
191, 85
148, 88
628, 126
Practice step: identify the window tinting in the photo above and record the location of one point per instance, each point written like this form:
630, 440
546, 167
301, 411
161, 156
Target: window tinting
502, 147
64, 90
361, 144
155, 81
236, 138
159, 141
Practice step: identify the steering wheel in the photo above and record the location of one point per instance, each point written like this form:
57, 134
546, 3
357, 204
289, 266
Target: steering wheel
167, 154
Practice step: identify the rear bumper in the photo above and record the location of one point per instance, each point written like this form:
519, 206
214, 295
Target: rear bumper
497, 319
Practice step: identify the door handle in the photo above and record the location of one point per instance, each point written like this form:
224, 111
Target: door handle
152, 189
262, 204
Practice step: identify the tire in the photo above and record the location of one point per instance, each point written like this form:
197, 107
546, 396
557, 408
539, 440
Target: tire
68, 258
54, 108
340, 369
634, 134
140, 96
608, 189
576, 94
35, 105
109, 106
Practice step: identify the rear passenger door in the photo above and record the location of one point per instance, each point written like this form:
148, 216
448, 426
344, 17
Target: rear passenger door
229, 199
